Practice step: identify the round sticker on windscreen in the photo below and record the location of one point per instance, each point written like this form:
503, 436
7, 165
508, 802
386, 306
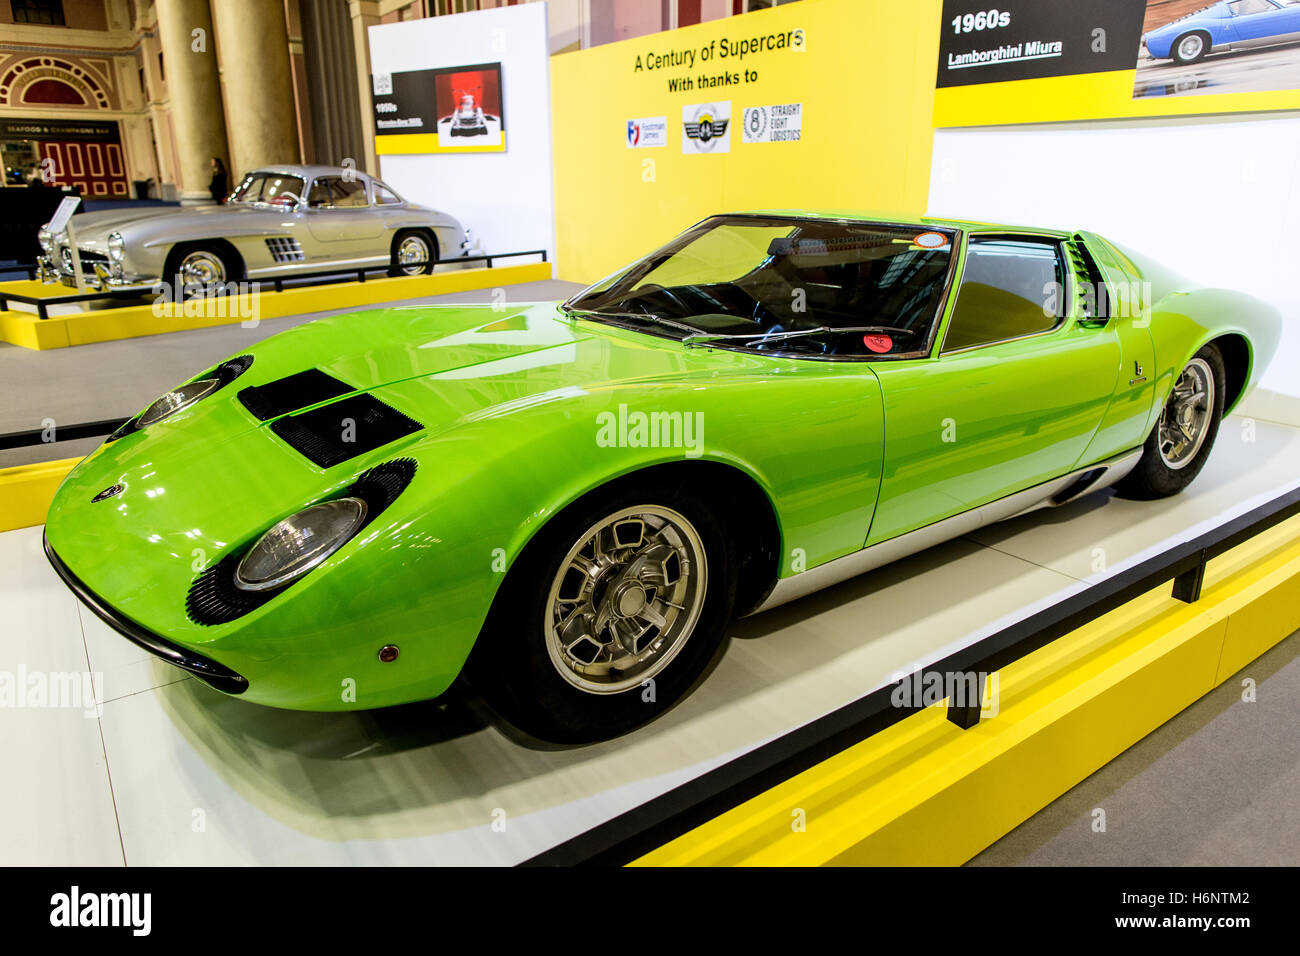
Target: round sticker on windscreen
930, 240
878, 343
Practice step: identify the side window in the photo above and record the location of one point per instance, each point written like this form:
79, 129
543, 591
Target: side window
1247, 7
349, 194
1010, 288
320, 193
385, 196
333, 192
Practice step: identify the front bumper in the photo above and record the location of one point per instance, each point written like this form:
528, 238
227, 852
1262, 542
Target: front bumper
97, 277
206, 669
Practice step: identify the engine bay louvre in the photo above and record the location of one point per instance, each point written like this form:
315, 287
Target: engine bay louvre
292, 393
342, 430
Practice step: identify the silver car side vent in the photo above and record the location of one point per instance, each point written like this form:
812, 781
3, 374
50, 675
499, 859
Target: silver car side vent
285, 249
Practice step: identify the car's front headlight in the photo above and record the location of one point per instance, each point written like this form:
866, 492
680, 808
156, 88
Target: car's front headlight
175, 400
46, 241
299, 543
116, 247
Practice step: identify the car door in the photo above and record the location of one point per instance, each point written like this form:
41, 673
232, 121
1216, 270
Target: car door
1011, 397
1261, 20
339, 216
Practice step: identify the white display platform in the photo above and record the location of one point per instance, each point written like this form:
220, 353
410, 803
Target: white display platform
173, 772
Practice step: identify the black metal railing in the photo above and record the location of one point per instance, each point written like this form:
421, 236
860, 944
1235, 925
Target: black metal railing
323, 277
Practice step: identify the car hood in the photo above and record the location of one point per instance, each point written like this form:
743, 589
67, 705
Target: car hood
213, 475
94, 227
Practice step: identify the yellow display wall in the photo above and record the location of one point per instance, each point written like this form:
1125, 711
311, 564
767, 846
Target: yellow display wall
864, 72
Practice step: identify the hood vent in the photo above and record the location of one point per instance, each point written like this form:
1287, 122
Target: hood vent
290, 394
344, 429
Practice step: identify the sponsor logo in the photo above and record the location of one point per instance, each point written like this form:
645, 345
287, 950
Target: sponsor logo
772, 124
650, 131
382, 83
706, 128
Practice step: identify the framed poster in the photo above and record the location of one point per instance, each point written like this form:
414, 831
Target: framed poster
456, 109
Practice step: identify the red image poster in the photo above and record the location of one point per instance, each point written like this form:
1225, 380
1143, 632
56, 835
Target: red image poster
468, 102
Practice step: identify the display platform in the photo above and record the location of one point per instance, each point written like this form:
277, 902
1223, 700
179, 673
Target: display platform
23, 325
169, 771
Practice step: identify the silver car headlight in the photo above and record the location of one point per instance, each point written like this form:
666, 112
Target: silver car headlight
297, 544
175, 400
116, 247
46, 241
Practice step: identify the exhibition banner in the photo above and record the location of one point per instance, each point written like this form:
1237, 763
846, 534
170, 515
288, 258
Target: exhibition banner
821, 104
991, 41
1025, 61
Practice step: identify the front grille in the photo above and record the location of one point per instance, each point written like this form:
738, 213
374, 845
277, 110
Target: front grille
344, 429
213, 597
285, 249
292, 393
88, 260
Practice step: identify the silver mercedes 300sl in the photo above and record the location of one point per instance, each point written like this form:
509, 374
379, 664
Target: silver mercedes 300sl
278, 222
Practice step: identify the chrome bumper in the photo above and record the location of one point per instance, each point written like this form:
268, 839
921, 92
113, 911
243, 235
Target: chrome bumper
97, 278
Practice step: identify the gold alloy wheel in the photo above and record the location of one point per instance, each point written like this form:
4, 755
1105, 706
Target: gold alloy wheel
625, 599
1185, 419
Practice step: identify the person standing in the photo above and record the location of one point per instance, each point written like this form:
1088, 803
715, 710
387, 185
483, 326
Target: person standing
220, 185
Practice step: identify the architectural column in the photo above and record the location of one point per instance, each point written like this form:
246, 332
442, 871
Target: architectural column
365, 14
258, 84
193, 92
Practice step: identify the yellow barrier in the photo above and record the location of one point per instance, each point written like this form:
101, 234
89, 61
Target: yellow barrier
27, 490
923, 792
26, 330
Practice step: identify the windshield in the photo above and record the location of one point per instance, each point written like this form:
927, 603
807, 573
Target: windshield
802, 286
277, 188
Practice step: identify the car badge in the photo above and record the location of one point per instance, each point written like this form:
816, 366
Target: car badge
112, 491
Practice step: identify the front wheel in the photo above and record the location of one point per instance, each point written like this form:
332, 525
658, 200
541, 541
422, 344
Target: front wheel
609, 616
1177, 448
414, 253
200, 269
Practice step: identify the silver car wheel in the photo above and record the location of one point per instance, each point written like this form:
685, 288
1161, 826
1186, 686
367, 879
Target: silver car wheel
1190, 47
625, 599
413, 254
202, 269
1185, 419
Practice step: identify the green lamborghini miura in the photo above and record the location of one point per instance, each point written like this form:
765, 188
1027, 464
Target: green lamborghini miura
568, 503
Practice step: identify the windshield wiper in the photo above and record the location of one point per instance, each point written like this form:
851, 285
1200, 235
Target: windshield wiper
690, 330
706, 338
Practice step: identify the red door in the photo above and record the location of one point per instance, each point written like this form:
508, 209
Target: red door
95, 167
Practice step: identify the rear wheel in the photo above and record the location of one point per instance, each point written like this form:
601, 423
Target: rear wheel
609, 616
414, 253
1177, 448
1190, 47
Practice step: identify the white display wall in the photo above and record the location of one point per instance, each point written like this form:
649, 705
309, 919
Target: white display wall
1214, 198
504, 198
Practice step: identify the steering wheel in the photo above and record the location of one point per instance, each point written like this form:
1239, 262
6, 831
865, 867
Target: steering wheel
654, 289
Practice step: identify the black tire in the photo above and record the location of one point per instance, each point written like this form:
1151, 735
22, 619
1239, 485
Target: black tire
1177, 55
513, 672
429, 239
231, 267
1153, 477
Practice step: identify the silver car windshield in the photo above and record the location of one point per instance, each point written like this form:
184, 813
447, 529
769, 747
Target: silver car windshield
279, 189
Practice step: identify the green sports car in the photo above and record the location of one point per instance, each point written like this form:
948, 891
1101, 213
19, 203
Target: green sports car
568, 503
